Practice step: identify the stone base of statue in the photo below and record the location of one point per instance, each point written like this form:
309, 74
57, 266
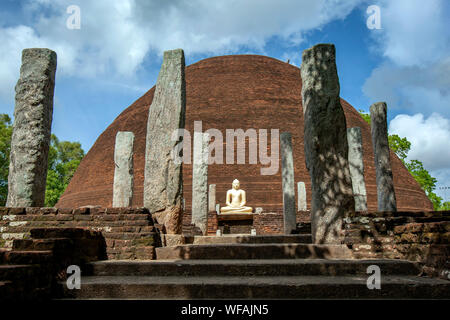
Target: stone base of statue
227, 210
234, 216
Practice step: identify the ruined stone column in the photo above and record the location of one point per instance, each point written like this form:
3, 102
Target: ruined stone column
326, 147
385, 181
212, 198
30, 139
301, 193
123, 173
163, 180
355, 160
287, 175
200, 181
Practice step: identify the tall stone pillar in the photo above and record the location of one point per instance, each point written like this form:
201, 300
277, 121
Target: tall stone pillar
123, 172
385, 181
30, 139
200, 181
355, 160
301, 194
287, 175
212, 198
326, 147
163, 179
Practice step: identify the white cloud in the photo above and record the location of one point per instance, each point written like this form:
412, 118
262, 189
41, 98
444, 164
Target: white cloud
116, 36
415, 42
429, 138
415, 31
413, 89
414, 78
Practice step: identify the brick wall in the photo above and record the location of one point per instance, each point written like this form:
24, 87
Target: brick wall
417, 236
129, 232
272, 222
34, 268
213, 223
264, 223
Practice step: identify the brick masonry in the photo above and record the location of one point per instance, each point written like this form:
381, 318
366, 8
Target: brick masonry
231, 92
272, 222
34, 267
129, 232
416, 236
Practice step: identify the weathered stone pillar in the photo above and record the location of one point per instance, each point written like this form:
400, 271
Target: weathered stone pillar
355, 161
326, 147
287, 175
385, 181
163, 179
200, 181
301, 193
212, 198
30, 140
123, 172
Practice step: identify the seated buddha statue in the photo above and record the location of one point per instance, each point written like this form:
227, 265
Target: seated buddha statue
236, 200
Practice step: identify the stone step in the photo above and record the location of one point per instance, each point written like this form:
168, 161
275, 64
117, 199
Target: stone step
254, 251
252, 239
294, 287
176, 239
25, 257
72, 233
287, 267
13, 272
27, 278
5, 289
42, 244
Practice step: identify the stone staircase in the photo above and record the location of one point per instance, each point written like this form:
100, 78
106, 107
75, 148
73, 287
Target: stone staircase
253, 267
31, 268
23, 275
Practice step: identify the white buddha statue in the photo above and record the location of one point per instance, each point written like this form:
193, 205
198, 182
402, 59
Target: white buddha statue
236, 200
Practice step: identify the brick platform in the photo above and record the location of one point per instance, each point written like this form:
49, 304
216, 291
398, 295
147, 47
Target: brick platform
415, 236
129, 232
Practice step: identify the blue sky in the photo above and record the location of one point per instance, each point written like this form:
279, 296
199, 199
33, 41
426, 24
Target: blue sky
115, 56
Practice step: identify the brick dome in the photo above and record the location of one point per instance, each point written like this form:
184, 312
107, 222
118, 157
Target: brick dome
231, 92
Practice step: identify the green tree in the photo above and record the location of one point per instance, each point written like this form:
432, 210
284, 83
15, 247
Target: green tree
426, 181
365, 116
63, 159
5, 148
445, 206
401, 147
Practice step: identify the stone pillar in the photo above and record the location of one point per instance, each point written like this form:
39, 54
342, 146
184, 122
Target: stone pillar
287, 174
212, 198
163, 179
326, 147
123, 173
30, 139
355, 161
385, 181
200, 181
301, 193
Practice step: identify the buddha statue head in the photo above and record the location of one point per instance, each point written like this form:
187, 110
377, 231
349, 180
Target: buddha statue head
236, 184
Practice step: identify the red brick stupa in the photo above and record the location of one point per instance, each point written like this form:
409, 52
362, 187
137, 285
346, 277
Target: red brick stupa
232, 92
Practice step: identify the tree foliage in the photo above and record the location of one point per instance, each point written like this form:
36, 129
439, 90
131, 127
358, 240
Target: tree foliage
63, 159
426, 181
365, 116
400, 146
5, 148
